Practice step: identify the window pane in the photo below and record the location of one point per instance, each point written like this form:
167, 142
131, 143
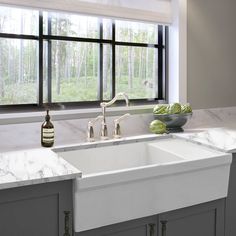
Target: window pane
18, 21
107, 72
74, 71
72, 25
127, 31
45, 72
107, 28
136, 71
18, 71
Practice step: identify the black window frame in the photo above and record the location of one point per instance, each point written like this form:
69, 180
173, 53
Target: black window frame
161, 46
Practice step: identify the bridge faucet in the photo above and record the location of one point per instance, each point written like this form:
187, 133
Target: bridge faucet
104, 105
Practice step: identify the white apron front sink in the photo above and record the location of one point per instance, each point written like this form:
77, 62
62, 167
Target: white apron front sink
130, 181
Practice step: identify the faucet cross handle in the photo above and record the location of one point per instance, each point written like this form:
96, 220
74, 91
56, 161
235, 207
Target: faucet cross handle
117, 130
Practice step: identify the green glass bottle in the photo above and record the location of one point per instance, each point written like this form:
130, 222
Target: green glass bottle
47, 132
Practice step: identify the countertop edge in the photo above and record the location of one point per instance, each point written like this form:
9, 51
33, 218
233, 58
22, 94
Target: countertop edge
22, 183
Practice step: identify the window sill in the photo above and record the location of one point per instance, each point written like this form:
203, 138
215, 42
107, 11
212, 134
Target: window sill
31, 117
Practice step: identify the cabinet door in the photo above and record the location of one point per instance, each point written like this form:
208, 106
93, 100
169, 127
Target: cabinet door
36, 210
201, 220
230, 212
142, 227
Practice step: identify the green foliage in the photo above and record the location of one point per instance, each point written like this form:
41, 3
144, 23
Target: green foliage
138, 89
74, 65
76, 90
23, 93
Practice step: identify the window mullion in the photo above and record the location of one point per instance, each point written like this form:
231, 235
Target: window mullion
40, 74
166, 68
160, 63
113, 89
100, 72
49, 55
142, 63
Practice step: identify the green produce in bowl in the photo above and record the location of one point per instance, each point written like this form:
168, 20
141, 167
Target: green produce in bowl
160, 109
175, 108
157, 127
186, 108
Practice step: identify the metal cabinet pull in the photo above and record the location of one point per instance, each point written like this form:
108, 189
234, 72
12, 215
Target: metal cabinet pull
67, 223
151, 229
163, 227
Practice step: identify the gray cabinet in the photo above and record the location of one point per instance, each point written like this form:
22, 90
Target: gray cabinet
200, 220
37, 210
142, 227
230, 211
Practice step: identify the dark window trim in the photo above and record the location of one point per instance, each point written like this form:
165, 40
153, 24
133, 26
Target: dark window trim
72, 105
162, 52
40, 75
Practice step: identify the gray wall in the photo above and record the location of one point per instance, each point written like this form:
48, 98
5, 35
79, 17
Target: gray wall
211, 53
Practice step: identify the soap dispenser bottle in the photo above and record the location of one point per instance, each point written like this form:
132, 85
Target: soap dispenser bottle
47, 132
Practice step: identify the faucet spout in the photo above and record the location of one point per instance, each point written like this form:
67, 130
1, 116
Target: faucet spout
118, 96
104, 105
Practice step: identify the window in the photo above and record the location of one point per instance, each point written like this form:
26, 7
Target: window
50, 58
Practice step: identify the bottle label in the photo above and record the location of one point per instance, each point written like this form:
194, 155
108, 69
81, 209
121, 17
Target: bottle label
48, 135
46, 140
45, 130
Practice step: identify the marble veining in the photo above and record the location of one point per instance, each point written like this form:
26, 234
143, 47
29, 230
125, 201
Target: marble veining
212, 118
24, 136
215, 128
33, 166
221, 138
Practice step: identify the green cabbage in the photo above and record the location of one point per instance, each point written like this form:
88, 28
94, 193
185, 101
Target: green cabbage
157, 127
186, 108
160, 109
175, 108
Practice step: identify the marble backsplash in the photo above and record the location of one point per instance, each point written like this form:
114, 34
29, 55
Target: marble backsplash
24, 136
210, 118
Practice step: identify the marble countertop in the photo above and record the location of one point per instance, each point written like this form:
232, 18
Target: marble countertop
34, 166
220, 138
42, 165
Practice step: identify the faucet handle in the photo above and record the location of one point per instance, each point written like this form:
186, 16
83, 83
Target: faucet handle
104, 131
90, 130
117, 130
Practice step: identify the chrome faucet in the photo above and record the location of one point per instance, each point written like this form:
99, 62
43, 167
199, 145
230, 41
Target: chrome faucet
90, 130
104, 105
117, 129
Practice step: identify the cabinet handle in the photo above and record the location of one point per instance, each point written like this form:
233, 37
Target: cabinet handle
67, 223
151, 229
163, 227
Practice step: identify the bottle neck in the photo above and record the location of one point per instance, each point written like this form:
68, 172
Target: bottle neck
47, 117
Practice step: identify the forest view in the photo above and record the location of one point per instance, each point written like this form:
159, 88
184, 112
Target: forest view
73, 66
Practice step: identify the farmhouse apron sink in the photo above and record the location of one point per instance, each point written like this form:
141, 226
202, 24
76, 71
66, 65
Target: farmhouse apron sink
129, 181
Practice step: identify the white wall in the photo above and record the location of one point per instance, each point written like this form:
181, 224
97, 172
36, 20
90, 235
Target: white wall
211, 53
178, 53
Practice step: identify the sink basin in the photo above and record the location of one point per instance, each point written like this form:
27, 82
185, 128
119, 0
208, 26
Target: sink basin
100, 161
130, 181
